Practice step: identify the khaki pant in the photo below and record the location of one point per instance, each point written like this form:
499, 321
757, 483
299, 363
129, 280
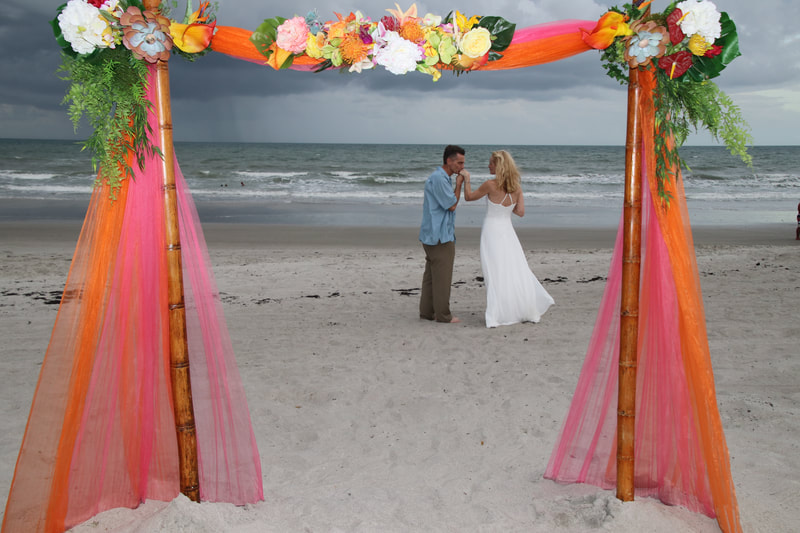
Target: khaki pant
434, 302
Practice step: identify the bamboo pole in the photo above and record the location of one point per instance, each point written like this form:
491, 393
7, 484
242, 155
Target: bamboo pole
629, 308
178, 345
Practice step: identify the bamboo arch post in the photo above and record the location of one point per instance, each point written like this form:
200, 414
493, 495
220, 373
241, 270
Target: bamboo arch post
178, 344
629, 308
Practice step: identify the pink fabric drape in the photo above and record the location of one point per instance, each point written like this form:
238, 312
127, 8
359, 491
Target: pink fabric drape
680, 448
667, 466
101, 431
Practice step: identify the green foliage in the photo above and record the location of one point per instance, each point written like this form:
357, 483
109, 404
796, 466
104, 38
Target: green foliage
265, 35
110, 92
613, 59
689, 102
681, 108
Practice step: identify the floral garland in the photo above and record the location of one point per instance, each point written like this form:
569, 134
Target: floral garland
686, 46
401, 42
106, 45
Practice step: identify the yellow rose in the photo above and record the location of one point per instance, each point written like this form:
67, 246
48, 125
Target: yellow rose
314, 44
476, 42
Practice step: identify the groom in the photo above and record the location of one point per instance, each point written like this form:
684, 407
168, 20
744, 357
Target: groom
437, 234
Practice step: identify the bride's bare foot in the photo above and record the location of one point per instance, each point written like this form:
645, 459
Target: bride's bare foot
455, 320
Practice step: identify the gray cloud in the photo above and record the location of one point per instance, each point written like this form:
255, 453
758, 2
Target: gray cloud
568, 102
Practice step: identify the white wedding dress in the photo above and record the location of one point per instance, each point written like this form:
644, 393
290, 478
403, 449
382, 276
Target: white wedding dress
513, 294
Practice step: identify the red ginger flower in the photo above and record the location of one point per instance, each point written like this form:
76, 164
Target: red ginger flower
676, 34
676, 64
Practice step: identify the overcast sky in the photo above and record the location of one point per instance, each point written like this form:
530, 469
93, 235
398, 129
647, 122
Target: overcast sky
218, 98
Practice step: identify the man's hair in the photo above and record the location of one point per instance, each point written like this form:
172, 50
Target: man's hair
450, 150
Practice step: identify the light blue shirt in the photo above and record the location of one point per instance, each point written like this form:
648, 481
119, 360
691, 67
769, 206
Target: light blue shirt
438, 222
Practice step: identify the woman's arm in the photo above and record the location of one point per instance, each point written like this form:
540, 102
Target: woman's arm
480, 192
457, 192
519, 209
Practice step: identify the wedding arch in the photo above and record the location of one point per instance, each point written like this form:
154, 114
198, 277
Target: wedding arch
140, 352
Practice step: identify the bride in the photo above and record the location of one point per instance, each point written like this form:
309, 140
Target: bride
513, 294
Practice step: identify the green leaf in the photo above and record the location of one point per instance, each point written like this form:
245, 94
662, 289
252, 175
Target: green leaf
265, 35
728, 40
494, 56
501, 29
62, 42
325, 65
287, 63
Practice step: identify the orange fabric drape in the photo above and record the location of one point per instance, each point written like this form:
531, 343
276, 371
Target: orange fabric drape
100, 234
675, 227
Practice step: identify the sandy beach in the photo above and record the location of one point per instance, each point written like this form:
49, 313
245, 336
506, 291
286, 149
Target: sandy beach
371, 420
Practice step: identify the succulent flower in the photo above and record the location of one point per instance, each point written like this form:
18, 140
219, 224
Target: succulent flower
146, 34
648, 41
314, 24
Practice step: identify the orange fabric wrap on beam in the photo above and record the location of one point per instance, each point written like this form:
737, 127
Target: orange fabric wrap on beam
539, 51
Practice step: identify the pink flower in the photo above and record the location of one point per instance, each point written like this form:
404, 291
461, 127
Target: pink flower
292, 35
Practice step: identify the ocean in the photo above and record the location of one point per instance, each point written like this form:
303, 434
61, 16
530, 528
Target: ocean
381, 184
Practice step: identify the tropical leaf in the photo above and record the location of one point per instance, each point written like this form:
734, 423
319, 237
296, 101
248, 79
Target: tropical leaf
501, 29
265, 35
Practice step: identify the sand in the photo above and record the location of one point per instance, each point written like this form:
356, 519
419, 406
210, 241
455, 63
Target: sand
369, 419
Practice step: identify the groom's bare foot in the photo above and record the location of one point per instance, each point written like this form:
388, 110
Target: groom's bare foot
455, 320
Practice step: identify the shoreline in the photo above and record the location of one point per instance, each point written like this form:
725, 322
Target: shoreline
407, 215
231, 235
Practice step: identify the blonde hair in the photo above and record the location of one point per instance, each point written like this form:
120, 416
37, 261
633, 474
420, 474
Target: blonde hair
505, 171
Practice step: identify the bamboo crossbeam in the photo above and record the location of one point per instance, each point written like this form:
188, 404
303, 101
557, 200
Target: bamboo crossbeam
629, 308
178, 344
